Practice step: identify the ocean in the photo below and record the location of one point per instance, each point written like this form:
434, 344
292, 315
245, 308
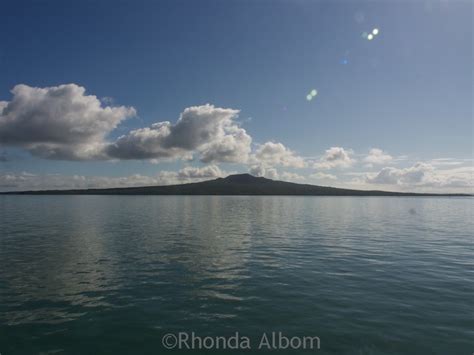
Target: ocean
201, 274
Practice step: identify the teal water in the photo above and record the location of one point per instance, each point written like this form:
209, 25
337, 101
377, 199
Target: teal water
113, 274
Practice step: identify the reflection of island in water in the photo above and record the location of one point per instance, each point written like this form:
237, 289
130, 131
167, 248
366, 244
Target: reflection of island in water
239, 184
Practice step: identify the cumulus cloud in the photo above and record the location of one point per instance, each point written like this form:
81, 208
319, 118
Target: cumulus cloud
28, 181
207, 130
59, 122
261, 170
206, 172
424, 175
293, 177
62, 122
335, 157
377, 156
276, 154
272, 173
272, 154
232, 147
323, 176
412, 175
460, 177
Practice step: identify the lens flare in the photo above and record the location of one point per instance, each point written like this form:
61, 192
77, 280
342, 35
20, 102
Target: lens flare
314, 92
309, 97
375, 31
370, 37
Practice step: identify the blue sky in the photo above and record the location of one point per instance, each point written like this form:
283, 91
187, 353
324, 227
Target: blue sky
407, 93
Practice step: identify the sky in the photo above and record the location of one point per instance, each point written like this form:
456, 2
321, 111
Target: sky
357, 94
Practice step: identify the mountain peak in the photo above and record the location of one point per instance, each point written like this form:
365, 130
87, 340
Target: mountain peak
244, 178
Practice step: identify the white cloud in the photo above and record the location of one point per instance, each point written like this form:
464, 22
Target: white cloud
276, 154
335, 157
293, 177
272, 173
442, 162
233, 147
460, 177
272, 154
424, 175
58, 122
206, 172
62, 122
323, 176
262, 170
394, 176
377, 156
209, 131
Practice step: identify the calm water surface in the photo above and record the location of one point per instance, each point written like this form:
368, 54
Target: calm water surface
113, 274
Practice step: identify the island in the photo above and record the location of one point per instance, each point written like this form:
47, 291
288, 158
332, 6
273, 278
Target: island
238, 184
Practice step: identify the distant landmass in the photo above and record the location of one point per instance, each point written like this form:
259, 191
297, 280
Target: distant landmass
240, 184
